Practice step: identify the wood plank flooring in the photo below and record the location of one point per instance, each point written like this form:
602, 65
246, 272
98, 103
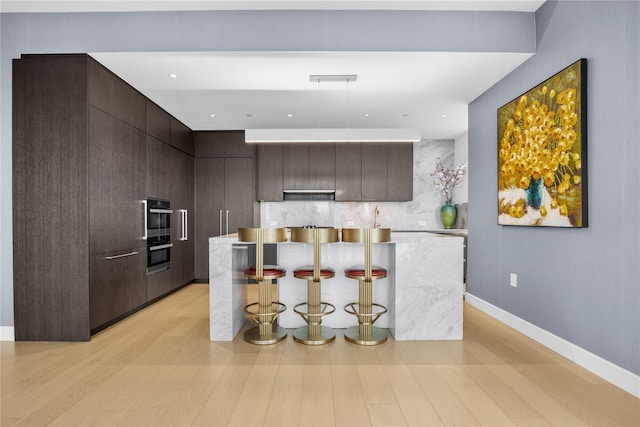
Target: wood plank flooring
158, 368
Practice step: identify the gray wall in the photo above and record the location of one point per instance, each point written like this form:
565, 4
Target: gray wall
233, 30
579, 284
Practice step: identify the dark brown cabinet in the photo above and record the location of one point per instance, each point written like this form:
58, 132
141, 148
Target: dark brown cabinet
269, 173
224, 202
224, 192
117, 182
118, 284
374, 172
309, 166
81, 137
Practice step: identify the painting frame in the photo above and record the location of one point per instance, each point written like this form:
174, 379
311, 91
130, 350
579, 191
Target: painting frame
542, 153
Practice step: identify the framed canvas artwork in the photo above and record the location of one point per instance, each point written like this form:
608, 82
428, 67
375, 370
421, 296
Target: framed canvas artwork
542, 153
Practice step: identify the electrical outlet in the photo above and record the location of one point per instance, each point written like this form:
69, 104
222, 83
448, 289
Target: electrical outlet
513, 281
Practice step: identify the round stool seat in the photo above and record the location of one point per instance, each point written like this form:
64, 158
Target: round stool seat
268, 271
358, 272
306, 272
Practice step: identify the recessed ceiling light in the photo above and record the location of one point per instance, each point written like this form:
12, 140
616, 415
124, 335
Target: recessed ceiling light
212, 115
405, 115
367, 115
249, 115
289, 115
173, 75
443, 116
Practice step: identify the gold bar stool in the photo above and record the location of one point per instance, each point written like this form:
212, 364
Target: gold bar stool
365, 309
314, 333
267, 331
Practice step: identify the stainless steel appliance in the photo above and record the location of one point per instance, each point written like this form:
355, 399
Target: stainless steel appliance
158, 235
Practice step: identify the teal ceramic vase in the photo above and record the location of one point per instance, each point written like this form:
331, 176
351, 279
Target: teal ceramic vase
448, 214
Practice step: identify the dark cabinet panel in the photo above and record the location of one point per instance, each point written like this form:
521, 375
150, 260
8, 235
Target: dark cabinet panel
117, 178
50, 185
222, 144
159, 169
400, 172
209, 190
309, 166
349, 172
295, 166
322, 167
269, 171
112, 95
181, 197
224, 202
374, 172
238, 194
181, 137
118, 284
158, 122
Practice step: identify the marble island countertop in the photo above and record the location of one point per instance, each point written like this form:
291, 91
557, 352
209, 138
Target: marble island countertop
423, 290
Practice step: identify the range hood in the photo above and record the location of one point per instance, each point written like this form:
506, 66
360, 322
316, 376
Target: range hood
309, 195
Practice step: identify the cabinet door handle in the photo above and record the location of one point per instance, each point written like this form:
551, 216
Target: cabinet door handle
220, 233
185, 225
121, 255
227, 225
144, 207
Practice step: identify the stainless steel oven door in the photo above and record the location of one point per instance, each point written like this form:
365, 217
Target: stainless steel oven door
158, 258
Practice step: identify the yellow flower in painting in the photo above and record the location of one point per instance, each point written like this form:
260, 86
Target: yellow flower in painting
544, 90
578, 164
512, 211
519, 211
552, 93
548, 180
576, 179
564, 210
543, 211
524, 182
553, 204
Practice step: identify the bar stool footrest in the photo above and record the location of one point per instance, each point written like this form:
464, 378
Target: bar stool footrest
365, 318
314, 318
269, 317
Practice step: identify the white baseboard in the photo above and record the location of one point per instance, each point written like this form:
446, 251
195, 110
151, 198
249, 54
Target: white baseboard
7, 333
620, 377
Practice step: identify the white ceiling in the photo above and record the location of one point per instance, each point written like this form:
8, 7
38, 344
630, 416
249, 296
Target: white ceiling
260, 89
429, 91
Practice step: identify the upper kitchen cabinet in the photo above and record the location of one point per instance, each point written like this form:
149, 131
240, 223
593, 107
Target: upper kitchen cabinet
182, 137
374, 172
309, 166
269, 173
158, 122
222, 144
109, 93
400, 172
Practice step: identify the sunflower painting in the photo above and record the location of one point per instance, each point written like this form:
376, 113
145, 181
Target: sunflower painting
542, 155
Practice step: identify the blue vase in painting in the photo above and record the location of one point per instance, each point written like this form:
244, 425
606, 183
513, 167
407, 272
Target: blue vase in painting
534, 193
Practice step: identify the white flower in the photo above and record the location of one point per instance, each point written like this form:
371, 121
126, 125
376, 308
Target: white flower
446, 179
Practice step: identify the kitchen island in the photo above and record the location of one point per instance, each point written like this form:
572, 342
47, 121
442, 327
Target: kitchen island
423, 290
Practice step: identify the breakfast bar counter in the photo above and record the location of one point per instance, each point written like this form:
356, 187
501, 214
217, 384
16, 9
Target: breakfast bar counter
423, 291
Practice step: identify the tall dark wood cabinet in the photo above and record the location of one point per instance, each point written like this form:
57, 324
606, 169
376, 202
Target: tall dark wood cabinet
81, 137
50, 211
224, 192
170, 176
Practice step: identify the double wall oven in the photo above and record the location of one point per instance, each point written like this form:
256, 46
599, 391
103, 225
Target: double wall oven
158, 235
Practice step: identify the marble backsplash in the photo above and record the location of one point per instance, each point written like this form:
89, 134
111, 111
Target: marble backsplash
423, 212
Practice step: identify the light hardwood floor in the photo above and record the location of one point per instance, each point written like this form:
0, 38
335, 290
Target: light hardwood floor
159, 368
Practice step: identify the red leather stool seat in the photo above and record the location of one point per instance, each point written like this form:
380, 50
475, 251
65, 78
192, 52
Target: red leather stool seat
306, 272
357, 272
268, 271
